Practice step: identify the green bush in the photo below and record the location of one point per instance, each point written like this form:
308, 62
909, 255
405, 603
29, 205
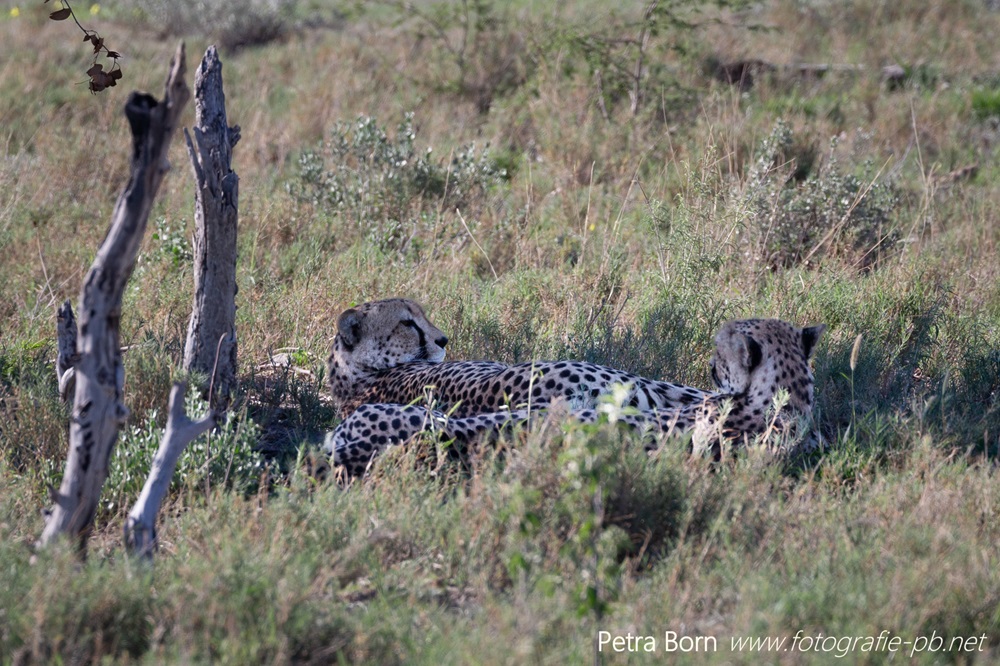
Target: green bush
831, 213
224, 457
231, 25
385, 185
480, 51
173, 242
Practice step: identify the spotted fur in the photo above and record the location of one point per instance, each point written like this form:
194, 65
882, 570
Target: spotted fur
387, 352
754, 360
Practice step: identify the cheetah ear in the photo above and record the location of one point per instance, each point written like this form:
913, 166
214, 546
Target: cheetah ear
753, 353
810, 336
349, 327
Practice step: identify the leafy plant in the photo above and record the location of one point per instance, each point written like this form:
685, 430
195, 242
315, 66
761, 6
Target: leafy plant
385, 185
225, 457
173, 242
481, 50
232, 25
831, 213
625, 54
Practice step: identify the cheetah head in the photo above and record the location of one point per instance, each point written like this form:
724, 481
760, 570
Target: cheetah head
762, 355
382, 334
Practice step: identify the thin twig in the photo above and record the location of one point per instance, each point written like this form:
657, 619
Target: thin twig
45, 273
599, 82
215, 367
99, 79
493, 270
640, 60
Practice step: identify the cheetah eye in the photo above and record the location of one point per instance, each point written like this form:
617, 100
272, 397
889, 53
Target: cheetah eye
412, 324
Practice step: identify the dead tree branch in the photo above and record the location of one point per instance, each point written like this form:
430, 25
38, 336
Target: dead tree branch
67, 356
98, 407
213, 315
140, 526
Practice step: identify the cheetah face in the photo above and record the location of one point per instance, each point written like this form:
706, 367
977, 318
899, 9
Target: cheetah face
742, 346
382, 334
735, 358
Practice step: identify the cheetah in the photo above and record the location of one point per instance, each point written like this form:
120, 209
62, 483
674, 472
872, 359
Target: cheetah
388, 352
754, 360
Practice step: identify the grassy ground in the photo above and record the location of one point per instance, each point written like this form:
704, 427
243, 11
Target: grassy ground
541, 201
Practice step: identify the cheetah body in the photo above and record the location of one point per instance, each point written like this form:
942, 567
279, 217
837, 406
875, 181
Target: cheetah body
387, 352
754, 360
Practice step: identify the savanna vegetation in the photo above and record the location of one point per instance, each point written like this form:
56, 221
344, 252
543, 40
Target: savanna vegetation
551, 180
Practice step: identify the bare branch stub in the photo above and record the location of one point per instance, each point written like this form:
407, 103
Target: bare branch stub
140, 526
98, 407
213, 313
67, 356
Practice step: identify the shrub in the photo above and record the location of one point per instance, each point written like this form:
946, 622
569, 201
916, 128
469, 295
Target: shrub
172, 241
478, 49
830, 213
384, 185
224, 457
233, 25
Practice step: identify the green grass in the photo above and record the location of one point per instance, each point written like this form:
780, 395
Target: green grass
540, 225
986, 103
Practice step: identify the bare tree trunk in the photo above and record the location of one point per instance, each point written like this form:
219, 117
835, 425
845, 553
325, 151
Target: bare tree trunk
98, 409
213, 316
140, 526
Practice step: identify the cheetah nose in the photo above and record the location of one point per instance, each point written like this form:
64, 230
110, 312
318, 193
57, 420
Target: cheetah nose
441, 342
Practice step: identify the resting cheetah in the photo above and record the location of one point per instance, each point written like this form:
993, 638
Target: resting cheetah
753, 360
387, 352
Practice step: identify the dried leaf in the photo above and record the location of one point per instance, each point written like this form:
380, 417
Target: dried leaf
99, 78
98, 82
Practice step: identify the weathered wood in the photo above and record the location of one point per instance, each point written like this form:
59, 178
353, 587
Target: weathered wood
213, 315
140, 526
98, 408
67, 356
